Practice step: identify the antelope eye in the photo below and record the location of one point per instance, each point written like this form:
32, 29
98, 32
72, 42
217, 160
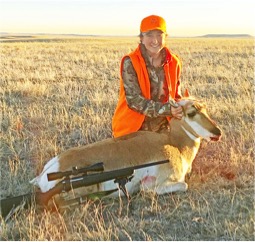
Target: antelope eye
190, 115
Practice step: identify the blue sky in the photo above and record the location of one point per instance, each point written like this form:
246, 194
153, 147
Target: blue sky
123, 17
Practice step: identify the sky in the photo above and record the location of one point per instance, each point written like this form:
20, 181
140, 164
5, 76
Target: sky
123, 17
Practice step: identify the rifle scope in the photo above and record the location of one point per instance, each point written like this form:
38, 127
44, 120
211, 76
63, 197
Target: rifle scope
75, 171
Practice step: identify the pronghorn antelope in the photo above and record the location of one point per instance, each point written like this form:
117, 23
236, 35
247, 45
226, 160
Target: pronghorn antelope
179, 145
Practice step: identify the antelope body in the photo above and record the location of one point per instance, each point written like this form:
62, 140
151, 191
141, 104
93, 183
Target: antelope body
179, 145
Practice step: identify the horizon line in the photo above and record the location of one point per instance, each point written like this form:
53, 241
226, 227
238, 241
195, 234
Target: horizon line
116, 35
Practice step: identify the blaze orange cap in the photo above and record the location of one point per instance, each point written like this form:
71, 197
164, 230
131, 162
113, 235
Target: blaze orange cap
153, 22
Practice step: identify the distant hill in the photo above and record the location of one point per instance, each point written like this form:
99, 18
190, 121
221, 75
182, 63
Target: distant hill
227, 36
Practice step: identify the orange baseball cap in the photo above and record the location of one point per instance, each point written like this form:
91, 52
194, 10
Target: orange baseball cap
153, 22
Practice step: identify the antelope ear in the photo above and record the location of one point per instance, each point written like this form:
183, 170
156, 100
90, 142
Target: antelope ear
186, 93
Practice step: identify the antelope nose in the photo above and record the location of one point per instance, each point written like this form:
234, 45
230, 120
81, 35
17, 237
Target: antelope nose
217, 134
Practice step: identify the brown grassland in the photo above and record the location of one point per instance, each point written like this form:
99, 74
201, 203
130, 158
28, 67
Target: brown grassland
60, 93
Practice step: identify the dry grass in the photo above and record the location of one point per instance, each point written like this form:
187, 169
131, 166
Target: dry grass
61, 93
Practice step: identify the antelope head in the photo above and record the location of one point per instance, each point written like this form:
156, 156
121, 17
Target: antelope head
197, 122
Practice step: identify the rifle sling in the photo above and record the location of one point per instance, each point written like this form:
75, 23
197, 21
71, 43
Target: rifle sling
62, 204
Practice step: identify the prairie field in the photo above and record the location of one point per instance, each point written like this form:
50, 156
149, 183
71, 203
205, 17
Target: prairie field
61, 93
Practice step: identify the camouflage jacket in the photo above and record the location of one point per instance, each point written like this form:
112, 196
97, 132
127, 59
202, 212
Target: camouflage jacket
158, 107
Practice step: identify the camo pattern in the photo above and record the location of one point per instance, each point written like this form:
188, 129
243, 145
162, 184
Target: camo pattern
157, 108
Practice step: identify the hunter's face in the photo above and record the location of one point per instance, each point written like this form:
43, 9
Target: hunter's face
154, 41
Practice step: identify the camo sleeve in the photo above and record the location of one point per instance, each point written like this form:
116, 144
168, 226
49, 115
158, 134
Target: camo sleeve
135, 100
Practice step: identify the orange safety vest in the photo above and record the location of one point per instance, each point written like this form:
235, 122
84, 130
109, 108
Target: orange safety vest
126, 120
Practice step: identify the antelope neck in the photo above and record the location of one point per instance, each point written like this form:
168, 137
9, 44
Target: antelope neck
190, 132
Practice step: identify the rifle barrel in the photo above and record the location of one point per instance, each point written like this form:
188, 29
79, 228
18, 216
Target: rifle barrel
8, 204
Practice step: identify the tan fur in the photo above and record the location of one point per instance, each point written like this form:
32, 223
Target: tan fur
117, 153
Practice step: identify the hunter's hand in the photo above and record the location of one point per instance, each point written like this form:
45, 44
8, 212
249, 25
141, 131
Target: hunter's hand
177, 112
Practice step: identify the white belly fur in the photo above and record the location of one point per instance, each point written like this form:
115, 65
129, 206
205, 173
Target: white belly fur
136, 183
42, 180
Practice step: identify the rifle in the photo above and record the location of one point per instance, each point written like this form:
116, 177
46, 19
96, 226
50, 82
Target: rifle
120, 176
